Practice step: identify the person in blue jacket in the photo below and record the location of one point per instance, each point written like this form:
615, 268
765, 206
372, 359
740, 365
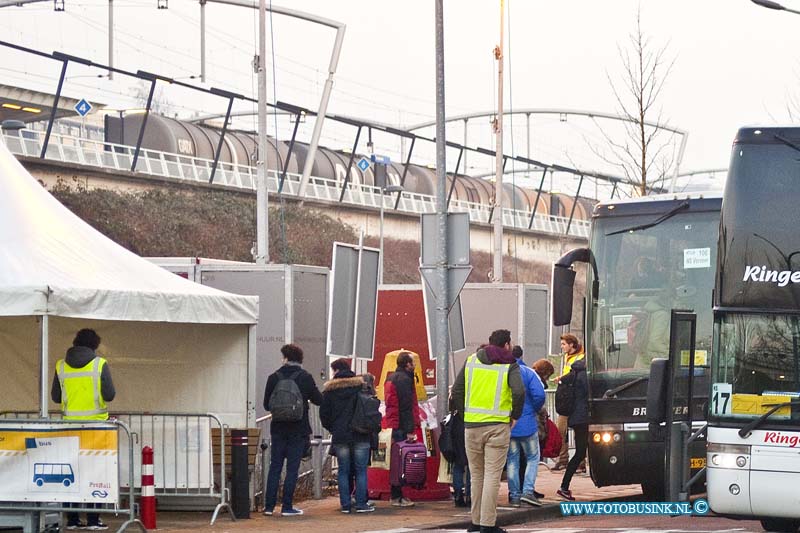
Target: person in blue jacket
525, 438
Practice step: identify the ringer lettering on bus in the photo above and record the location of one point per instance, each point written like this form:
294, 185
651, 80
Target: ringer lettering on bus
776, 437
760, 274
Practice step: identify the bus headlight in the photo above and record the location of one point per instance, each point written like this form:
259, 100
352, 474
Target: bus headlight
734, 489
617, 437
728, 455
596, 437
606, 438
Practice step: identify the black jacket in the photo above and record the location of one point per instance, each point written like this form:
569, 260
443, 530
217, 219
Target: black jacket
577, 376
309, 390
79, 357
338, 402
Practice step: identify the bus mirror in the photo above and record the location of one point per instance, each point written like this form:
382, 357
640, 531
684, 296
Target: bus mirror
563, 282
657, 391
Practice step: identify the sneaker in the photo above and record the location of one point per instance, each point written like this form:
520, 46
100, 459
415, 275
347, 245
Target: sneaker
345, 510
291, 512
530, 499
559, 466
566, 494
79, 525
514, 502
473, 528
405, 502
99, 526
268, 512
538, 495
365, 509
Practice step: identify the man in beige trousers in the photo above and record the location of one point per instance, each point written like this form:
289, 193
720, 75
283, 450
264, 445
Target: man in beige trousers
490, 391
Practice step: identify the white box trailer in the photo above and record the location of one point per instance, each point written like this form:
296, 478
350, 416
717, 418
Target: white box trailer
522, 308
293, 306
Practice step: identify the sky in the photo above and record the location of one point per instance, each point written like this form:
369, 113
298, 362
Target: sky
733, 64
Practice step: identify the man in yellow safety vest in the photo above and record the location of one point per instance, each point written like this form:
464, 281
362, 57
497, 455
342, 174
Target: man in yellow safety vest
490, 393
83, 387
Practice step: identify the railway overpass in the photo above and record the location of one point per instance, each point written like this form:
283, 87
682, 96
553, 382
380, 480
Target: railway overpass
96, 163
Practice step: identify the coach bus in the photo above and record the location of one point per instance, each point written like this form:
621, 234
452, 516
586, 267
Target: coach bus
753, 435
647, 256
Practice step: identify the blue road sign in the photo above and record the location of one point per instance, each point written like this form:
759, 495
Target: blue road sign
363, 164
380, 159
83, 107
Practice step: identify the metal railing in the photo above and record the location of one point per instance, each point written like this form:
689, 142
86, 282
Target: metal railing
34, 509
117, 157
183, 456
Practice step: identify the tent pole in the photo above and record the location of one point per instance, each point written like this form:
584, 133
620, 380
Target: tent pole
44, 344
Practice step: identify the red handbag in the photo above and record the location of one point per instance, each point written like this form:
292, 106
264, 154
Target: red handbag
551, 446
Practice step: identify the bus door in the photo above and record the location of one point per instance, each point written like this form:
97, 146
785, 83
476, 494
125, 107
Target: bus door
669, 397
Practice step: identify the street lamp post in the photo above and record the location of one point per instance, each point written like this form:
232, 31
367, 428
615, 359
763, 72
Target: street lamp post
769, 4
388, 189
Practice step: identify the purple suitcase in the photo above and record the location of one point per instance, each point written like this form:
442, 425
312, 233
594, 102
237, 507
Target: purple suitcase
408, 464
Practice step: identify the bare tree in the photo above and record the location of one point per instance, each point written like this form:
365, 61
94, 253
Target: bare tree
161, 104
646, 152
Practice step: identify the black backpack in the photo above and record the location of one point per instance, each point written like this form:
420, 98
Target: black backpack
286, 401
366, 414
565, 398
446, 445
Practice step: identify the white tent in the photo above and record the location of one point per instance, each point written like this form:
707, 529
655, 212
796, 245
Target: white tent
172, 345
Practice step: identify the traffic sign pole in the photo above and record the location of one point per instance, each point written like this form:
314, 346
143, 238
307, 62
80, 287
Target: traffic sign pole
442, 329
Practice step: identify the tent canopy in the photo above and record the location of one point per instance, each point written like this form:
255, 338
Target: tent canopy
53, 263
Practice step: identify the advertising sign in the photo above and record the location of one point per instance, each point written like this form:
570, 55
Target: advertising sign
53, 463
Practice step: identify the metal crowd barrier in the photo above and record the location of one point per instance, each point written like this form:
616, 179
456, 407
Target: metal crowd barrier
29, 515
183, 460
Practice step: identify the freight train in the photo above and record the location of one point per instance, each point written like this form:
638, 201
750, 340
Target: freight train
196, 140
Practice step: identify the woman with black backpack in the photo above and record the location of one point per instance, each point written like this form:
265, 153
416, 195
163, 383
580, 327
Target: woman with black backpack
351, 446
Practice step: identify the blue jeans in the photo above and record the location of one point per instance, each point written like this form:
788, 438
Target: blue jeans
289, 448
461, 479
530, 447
357, 455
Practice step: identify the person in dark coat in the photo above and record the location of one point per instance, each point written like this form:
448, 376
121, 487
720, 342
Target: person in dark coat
462, 492
289, 439
402, 411
82, 358
578, 421
351, 448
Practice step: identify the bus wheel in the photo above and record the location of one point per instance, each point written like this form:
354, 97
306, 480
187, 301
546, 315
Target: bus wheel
653, 491
785, 525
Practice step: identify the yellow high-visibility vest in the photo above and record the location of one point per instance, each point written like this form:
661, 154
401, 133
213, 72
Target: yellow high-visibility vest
81, 395
570, 359
488, 396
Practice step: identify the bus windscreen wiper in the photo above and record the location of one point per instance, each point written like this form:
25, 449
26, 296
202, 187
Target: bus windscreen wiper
669, 214
746, 430
787, 142
612, 393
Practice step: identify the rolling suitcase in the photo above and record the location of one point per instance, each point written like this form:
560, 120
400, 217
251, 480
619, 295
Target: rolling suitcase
408, 464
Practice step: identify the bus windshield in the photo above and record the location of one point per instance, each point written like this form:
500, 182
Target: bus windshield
644, 274
757, 364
